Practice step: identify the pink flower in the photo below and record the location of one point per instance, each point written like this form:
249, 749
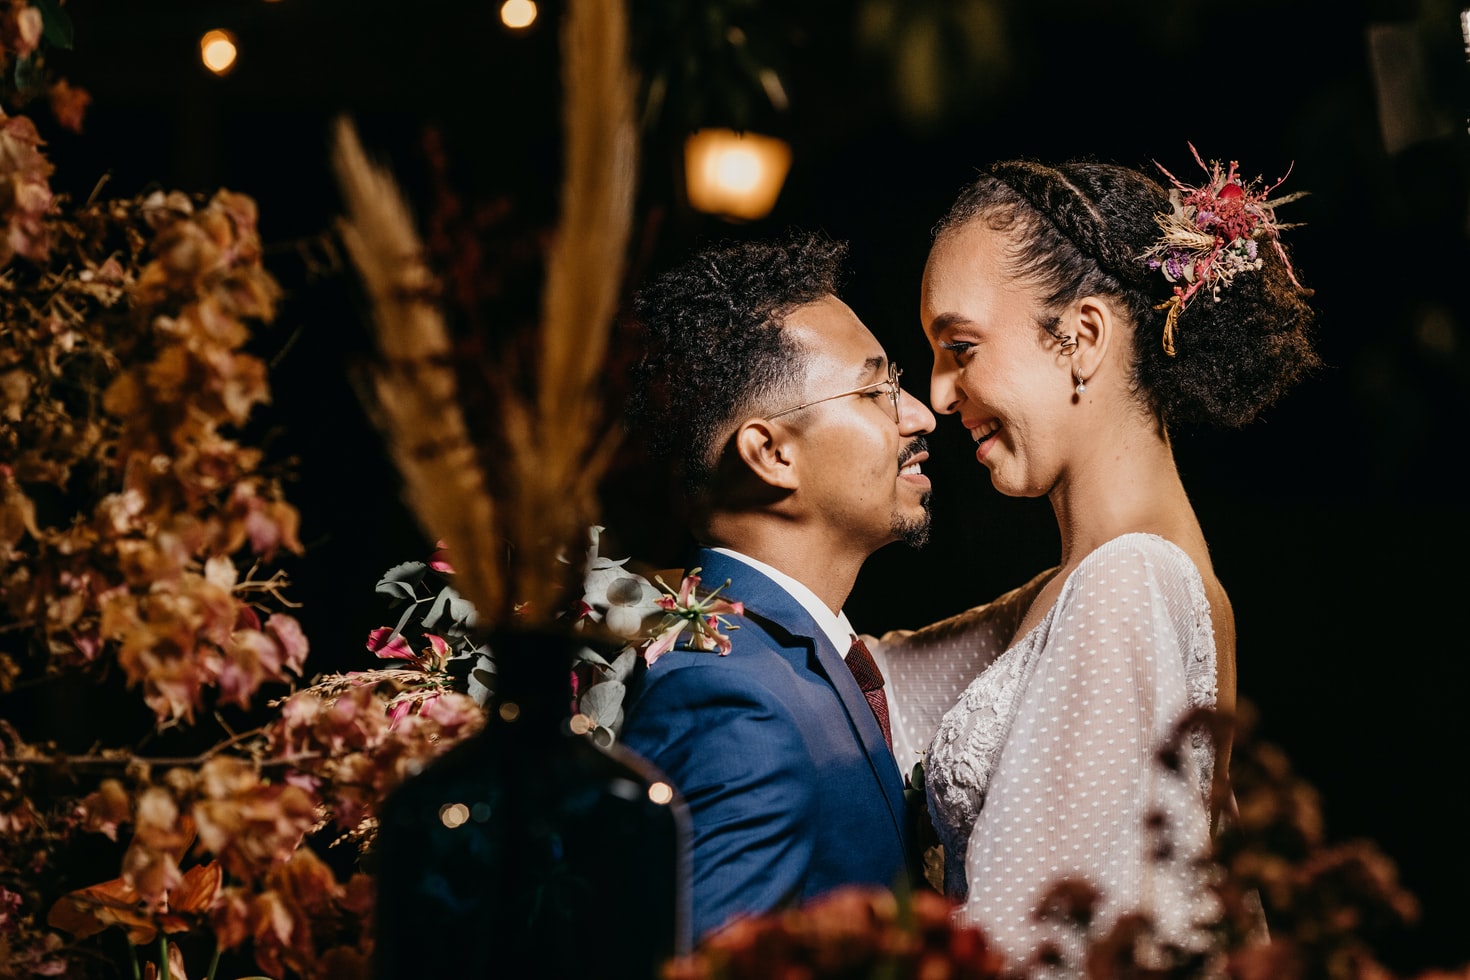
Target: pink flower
439, 560
389, 645
703, 617
288, 633
438, 648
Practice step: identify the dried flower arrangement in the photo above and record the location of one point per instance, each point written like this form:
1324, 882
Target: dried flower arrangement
1322, 901
136, 521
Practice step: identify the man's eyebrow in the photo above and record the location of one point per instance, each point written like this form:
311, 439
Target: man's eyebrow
872, 366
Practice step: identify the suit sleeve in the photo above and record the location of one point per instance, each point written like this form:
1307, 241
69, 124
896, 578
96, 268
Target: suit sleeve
744, 769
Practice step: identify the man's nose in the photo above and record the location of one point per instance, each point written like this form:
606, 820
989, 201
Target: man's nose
913, 417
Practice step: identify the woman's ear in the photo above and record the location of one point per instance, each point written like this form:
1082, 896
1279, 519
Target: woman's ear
768, 451
1097, 322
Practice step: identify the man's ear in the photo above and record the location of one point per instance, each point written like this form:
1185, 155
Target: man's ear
1096, 324
768, 451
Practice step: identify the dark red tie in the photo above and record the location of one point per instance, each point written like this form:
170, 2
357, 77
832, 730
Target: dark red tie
870, 682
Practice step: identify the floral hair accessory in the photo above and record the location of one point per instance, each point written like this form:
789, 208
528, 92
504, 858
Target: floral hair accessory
1211, 235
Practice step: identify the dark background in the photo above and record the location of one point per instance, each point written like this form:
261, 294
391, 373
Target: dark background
1336, 522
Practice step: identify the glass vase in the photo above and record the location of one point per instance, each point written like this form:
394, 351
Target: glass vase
529, 851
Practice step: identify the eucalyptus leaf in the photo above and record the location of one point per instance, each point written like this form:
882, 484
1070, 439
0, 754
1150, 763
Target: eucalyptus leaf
449, 604
467, 650
481, 683
402, 621
603, 701
624, 664
591, 656
438, 608
400, 581
462, 611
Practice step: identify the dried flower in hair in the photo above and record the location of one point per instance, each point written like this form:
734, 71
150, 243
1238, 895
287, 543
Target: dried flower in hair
1211, 235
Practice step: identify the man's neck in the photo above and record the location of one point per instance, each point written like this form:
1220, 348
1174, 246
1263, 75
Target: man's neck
829, 569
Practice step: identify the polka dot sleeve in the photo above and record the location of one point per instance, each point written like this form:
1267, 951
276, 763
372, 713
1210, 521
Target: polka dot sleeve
1077, 790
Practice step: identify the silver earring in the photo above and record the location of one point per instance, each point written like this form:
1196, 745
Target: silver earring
1081, 385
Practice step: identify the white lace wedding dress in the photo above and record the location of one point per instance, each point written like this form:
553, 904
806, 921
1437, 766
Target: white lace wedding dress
1041, 752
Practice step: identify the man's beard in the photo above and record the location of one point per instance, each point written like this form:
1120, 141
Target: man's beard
913, 531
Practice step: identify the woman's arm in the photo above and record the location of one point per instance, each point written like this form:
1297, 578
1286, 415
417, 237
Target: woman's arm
1078, 791
925, 670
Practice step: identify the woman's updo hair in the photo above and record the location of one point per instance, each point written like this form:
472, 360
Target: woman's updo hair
1083, 228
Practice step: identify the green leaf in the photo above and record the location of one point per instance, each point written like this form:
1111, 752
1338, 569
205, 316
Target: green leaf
591, 656
450, 604
56, 29
604, 702
624, 664
481, 683
401, 581
402, 621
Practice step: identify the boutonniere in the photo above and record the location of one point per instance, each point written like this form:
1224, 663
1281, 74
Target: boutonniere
650, 619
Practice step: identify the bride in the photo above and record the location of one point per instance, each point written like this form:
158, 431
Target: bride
1076, 314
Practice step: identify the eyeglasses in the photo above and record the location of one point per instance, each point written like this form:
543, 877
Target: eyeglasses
889, 383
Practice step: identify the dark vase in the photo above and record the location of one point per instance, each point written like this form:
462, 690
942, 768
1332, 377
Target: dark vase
528, 850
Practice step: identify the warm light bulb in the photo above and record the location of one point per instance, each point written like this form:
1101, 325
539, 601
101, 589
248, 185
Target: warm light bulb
518, 14
661, 793
739, 170
218, 52
735, 175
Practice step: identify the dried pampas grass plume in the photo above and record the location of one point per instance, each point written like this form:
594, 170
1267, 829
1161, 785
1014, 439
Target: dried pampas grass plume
414, 397
557, 442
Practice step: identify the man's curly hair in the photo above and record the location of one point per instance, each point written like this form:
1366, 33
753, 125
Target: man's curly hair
1084, 227
713, 348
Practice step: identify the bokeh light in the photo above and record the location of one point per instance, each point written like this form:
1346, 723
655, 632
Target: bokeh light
518, 15
218, 51
735, 175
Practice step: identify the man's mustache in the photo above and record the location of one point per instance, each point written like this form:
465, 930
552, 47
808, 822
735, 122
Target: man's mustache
911, 450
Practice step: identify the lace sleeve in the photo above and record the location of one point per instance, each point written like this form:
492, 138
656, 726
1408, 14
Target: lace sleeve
1077, 784
925, 670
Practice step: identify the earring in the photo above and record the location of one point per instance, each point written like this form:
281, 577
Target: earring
1081, 385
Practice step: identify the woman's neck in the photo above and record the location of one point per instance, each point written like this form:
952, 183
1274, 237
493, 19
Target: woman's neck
1128, 484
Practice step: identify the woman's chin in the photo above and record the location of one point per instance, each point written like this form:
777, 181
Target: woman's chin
1010, 489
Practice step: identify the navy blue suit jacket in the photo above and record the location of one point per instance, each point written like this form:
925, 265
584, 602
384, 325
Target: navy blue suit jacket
790, 787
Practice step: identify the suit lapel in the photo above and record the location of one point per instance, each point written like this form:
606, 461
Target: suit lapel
777, 612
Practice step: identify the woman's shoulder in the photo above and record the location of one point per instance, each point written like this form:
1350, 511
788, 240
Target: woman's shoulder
1144, 582
1141, 552
1140, 568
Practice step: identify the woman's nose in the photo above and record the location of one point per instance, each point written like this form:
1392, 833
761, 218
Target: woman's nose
943, 394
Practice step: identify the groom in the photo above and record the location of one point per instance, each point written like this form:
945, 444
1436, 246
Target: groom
798, 456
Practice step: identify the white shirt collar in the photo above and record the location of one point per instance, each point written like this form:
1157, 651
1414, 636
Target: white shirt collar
836, 627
